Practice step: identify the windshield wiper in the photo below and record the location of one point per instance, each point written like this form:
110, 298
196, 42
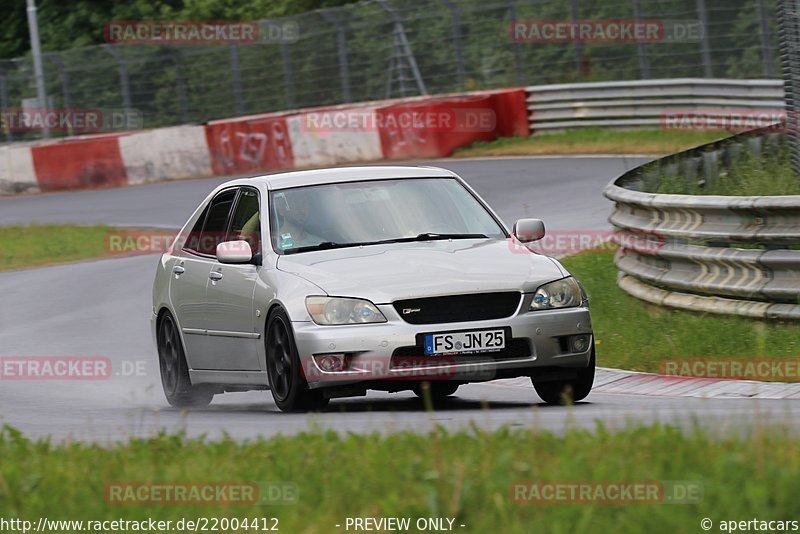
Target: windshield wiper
431, 236
325, 245
427, 236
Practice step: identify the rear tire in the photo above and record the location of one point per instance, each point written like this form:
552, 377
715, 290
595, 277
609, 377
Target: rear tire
286, 381
564, 392
175, 379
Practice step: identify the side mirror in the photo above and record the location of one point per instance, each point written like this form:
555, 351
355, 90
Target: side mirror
234, 252
528, 230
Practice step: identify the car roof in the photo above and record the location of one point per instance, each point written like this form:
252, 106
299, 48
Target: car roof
350, 174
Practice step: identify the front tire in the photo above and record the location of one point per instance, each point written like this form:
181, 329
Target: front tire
286, 381
175, 379
563, 392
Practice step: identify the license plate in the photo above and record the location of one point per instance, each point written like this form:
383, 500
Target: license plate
469, 342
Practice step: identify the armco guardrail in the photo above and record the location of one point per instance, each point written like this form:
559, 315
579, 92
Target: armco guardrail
719, 254
643, 102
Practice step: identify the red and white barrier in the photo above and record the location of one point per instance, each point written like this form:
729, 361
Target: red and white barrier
17, 174
422, 127
165, 154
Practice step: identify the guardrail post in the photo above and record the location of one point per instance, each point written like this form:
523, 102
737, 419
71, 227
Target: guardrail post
705, 47
236, 78
789, 34
644, 61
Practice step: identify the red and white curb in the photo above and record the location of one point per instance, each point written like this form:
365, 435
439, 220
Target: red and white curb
623, 382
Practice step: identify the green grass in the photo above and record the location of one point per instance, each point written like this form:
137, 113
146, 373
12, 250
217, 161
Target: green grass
31, 246
632, 334
593, 141
751, 176
467, 476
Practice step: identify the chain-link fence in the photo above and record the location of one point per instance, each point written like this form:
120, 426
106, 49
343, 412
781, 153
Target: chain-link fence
393, 48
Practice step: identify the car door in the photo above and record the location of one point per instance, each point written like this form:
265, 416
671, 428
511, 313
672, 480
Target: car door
191, 271
233, 337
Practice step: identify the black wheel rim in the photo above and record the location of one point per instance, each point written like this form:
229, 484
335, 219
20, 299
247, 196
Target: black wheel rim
169, 352
279, 358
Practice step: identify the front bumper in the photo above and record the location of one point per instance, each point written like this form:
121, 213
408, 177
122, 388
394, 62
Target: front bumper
388, 351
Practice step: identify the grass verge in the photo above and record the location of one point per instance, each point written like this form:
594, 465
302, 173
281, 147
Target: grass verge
32, 246
750, 176
632, 334
470, 477
592, 141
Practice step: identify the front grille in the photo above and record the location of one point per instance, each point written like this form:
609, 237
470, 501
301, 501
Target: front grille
458, 308
516, 349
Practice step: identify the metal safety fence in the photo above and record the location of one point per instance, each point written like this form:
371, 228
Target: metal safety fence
396, 48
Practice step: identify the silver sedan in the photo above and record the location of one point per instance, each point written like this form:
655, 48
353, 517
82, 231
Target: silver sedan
326, 283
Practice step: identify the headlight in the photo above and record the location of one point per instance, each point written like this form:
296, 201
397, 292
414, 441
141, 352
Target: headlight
337, 310
564, 293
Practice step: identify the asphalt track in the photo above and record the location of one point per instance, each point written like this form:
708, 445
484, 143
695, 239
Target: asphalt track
101, 308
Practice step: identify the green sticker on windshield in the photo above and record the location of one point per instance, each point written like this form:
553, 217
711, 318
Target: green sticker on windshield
286, 241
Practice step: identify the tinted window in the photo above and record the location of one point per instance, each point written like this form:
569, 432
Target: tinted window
215, 225
245, 223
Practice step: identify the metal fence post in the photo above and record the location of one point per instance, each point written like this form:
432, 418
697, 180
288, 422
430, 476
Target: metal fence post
286, 60
402, 52
644, 61
455, 17
124, 82
4, 103
789, 36
236, 78
341, 46
512, 15
766, 46
63, 73
705, 47
180, 79
577, 45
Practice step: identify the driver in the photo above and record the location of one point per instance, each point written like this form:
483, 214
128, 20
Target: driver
295, 212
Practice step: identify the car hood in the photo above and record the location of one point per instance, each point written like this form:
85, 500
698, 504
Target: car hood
385, 273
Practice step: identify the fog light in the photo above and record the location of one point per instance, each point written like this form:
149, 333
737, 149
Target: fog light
330, 363
581, 343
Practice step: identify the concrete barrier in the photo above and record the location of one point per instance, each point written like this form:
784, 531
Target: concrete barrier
166, 154
17, 174
93, 161
420, 127
249, 144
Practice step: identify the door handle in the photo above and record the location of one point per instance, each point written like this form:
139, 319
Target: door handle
178, 270
216, 276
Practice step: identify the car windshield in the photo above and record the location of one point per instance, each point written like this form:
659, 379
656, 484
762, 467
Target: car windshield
372, 212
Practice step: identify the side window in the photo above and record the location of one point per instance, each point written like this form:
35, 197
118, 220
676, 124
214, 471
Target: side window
192, 242
214, 225
246, 222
